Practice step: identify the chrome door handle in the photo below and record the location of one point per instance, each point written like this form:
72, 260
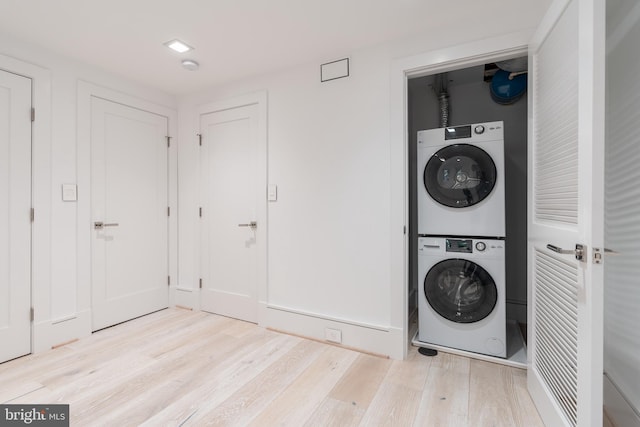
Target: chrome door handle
559, 250
99, 225
578, 251
252, 224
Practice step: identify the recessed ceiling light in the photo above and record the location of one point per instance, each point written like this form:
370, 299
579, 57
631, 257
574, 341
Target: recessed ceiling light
178, 46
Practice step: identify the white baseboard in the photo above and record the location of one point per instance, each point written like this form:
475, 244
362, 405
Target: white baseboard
376, 339
618, 409
185, 298
51, 333
385, 341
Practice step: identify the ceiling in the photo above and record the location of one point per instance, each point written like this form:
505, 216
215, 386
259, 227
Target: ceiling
233, 39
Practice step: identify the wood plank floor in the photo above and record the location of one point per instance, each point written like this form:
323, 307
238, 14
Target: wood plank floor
182, 368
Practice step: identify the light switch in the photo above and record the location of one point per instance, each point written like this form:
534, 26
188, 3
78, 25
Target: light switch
69, 193
272, 193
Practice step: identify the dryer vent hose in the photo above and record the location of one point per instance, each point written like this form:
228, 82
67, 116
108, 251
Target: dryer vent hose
440, 87
443, 98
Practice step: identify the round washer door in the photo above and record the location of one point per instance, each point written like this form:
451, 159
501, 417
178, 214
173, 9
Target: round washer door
460, 290
460, 175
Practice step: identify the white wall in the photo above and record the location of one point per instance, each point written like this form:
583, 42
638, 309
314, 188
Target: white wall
61, 302
330, 232
328, 249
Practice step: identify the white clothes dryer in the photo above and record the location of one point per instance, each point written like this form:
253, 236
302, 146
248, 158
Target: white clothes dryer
462, 302
461, 179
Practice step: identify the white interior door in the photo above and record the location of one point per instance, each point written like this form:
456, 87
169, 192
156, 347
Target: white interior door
129, 197
566, 208
15, 217
231, 189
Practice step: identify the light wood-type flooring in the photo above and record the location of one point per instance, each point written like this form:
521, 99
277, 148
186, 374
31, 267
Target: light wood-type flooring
182, 368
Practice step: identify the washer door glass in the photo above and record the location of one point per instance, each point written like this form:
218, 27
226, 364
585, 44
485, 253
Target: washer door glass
460, 175
460, 290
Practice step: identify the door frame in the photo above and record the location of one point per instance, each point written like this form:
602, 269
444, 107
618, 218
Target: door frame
40, 197
260, 99
86, 91
438, 61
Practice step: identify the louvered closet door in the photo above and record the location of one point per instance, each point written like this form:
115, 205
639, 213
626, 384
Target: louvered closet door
566, 147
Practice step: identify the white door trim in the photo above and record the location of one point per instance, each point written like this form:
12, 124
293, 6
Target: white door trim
446, 59
259, 98
40, 197
87, 90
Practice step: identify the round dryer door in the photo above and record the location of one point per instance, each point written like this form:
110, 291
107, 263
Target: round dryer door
460, 290
460, 175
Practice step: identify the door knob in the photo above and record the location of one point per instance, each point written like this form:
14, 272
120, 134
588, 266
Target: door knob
252, 224
99, 225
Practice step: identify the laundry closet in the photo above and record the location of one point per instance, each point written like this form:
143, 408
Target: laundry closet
468, 222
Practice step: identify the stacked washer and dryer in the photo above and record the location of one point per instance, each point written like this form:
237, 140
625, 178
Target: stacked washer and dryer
461, 243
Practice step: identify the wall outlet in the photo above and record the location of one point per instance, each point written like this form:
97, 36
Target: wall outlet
333, 335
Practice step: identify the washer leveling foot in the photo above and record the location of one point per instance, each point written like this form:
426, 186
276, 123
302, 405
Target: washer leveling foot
427, 351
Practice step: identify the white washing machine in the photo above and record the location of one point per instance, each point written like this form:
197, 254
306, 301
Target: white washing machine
462, 301
461, 181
